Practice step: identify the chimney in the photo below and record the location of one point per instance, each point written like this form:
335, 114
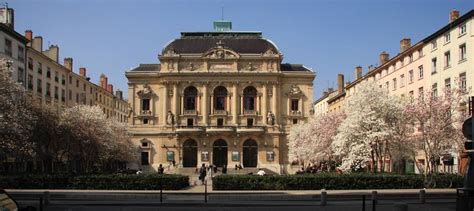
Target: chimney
29, 35
325, 93
53, 53
340, 83
83, 72
38, 43
68, 63
103, 81
119, 94
405, 44
383, 58
358, 72
453, 15
110, 88
330, 89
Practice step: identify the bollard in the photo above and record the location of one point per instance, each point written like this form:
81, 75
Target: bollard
374, 196
422, 196
205, 191
46, 198
41, 204
400, 207
363, 202
323, 197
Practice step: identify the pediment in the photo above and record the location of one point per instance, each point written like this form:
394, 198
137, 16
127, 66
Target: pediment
220, 52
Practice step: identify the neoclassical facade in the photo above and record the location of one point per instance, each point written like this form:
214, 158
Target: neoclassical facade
221, 98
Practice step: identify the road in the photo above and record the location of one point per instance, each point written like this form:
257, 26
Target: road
78, 200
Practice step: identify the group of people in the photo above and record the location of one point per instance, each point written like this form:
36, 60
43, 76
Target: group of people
208, 171
310, 169
161, 170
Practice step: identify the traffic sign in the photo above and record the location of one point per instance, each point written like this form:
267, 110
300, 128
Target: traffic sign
467, 128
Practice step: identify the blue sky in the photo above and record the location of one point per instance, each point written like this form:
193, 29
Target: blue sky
329, 36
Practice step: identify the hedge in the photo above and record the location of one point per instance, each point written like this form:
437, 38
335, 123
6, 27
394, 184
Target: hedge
101, 182
333, 182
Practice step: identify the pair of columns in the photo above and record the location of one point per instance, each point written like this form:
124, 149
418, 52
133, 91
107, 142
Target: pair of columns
175, 108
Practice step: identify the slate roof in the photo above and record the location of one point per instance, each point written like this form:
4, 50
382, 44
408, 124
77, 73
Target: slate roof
293, 67
240, 42
147, 67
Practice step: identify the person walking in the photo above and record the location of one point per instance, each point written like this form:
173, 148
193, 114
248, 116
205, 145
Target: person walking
202, 173
161, 170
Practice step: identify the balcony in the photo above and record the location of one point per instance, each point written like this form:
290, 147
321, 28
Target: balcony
189, 112
145, 113
250, 112
188, 129
296, 113
219, 129
220, 112
250, 129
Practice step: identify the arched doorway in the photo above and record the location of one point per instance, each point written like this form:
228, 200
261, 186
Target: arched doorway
219, 153
250, 153
190, 153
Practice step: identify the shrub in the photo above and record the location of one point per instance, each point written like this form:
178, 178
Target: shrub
332, 182
103, 182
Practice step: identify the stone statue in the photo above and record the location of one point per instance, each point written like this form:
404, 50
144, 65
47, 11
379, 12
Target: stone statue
130, 110
169, 118
146, 89
271, 118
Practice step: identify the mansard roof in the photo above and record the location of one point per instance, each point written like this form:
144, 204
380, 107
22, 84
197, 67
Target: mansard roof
294, 67
240, 42
147, 67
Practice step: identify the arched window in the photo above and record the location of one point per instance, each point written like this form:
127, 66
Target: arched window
220, 94
250, 98
190, 94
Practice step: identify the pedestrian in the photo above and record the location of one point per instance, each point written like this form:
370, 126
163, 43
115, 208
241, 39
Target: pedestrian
224, 169
202, 173
139, 172
161, 170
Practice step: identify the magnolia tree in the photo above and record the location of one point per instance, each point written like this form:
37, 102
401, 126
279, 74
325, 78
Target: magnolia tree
93, 140
438, 120
15, 117
367, 134
312, 141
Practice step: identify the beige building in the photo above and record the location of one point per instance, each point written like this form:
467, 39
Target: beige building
440, 61
51, 82
221, 98
12, 46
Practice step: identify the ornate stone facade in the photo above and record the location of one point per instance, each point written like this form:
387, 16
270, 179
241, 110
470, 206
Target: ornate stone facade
221, 98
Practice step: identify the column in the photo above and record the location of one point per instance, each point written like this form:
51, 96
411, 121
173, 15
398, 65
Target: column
274, 103
242, 104
175, 102
205, 97
181, 97
264, 104
212, 104
235, 105
165, 102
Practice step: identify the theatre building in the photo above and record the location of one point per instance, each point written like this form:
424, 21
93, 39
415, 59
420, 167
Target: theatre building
221, 98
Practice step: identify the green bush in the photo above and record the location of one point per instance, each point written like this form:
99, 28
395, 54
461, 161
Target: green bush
103, 182
333, 182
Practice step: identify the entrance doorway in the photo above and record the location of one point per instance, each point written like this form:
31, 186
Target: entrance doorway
250, 151
190, 153
219, 153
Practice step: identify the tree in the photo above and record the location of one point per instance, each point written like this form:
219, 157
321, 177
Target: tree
365, 136
15, 117
312, 141
438, 120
